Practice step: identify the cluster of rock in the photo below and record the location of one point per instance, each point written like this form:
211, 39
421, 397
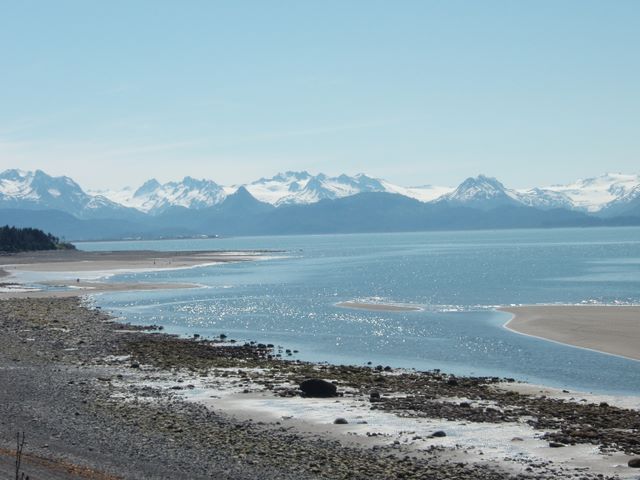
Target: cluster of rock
68, 353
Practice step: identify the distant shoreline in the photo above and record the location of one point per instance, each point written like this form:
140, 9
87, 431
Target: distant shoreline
83, 269
610, 329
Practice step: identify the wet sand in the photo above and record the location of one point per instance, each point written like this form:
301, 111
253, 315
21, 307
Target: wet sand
110, 400
75, 263
379, 307
609, 329
76, 289
79, 261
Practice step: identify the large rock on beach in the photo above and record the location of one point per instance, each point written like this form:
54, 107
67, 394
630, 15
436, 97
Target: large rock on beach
316, 387
634, 462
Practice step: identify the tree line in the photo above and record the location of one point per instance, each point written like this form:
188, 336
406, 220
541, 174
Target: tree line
13, 239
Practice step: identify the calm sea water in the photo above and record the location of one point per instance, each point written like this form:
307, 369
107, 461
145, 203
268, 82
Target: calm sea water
458, 277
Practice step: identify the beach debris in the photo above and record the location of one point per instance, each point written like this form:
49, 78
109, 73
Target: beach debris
316, 387
556, 445
20, 441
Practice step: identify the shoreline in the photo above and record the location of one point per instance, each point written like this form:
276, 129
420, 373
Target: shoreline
166, 404
52, 261
581, 326
78, 272
143, 392
79, 289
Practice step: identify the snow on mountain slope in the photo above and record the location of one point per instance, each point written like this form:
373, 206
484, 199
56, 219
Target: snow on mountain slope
37, 190
610, 193
154, 197
291, 188
424, 193
627, 204
487, 192
481, 192
273, 190
592, 194
543, 198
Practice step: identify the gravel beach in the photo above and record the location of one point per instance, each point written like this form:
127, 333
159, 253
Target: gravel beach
88, 393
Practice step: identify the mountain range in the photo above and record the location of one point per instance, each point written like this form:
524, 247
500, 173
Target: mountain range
299, 202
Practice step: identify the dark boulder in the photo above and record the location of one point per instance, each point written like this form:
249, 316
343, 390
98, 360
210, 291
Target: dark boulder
315, 387
340, 421
634, 462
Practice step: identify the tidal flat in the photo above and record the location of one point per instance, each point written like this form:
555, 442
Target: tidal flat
100, 399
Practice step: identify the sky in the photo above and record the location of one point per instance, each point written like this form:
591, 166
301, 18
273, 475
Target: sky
416, 92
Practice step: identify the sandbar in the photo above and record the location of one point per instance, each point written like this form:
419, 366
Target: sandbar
80, 261
608, 329
74, 264
379, 307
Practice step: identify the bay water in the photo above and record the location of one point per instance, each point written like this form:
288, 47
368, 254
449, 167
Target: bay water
458, 278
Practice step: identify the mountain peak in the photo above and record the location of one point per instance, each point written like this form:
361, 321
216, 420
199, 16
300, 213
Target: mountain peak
481, 192
147, 187
288, 176
241, 192
484, 181
14, 174
242, 202
480, 186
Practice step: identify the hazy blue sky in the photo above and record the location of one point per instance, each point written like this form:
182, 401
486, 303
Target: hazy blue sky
114, 92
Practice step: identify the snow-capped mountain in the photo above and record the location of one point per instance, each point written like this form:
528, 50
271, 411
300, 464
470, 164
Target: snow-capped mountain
481, 192
154, 197
594, 194
37, 190
423, 193
291, 188
610, 194
486, 193
542, 198
627, 204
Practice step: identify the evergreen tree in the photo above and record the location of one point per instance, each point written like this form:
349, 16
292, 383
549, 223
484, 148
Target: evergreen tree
14, 239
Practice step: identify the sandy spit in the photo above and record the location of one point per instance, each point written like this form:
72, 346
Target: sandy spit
608, 329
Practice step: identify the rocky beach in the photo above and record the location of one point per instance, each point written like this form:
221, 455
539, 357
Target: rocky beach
99, 399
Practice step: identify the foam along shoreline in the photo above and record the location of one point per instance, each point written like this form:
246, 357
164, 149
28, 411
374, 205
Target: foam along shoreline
612, 329
76, 289
379, 307
155, 379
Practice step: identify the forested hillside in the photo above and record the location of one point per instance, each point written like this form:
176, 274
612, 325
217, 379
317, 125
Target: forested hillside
14, 239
